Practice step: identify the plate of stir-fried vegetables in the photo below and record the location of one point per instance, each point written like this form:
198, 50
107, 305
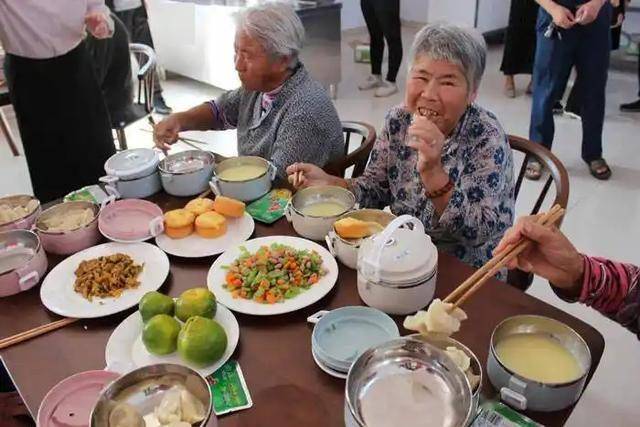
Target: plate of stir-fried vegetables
272, 275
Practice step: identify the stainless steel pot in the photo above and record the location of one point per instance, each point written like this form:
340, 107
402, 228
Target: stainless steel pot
132, 174
442, 342
397, 268
247, 190
23, 262
186, 173
149, 395
406, 382
317, 227
523, 393
346, 250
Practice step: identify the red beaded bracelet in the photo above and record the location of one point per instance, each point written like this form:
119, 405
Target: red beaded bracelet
440, 191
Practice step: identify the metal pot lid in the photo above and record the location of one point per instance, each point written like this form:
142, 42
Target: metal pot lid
406, 382
132, 163
398, 256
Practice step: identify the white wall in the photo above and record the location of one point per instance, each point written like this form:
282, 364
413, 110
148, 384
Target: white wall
493, 14
351, 15
414, 10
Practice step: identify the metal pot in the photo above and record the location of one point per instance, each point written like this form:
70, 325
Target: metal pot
317, 227
72, 241
23, 262
132, 174
186, 173
247, 190
523, 393
442, 342
26, 222
397, 268
149, 394
346, 250
406, 382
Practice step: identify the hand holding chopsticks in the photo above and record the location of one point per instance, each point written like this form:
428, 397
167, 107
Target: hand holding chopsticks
35, 332
499, 261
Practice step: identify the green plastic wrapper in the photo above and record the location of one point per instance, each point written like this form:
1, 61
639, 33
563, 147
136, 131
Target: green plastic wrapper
91, 193
229, 390
270, 207
497, 414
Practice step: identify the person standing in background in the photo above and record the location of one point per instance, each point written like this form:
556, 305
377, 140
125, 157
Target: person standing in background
571, 32
519, 44
632, 107
133, 13
383, 23
61, 114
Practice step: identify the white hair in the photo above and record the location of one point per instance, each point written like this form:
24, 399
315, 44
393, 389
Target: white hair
447, 42
277, 28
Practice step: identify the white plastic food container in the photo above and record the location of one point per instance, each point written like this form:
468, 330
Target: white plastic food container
397, 268
132, 174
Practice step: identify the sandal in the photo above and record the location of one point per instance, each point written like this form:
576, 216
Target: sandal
534, 170
599, 169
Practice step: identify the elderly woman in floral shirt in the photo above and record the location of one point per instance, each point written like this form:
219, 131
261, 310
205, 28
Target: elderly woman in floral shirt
440, 157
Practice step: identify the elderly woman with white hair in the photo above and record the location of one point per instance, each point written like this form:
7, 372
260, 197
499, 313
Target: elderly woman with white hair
440, 157
280, 112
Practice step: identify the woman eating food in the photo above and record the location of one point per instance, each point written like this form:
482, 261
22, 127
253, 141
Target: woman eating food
440, 157
280, 113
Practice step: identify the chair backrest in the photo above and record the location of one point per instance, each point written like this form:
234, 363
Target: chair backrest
557, 175
357, 158
146, 58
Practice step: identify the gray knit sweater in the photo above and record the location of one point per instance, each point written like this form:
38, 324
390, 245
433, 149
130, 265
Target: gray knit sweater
300, 125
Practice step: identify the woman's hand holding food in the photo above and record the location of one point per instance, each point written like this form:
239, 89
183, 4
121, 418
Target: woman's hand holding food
425, 137
302, 175
551, 255
166, 132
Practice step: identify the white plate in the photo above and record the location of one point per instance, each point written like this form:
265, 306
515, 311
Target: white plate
125, 350
327, 369
194, 246
216, 277
57, 292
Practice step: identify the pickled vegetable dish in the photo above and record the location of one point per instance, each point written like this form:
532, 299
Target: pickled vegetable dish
273, 274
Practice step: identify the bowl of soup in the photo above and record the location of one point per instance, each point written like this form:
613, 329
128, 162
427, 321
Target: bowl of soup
313, 210
538, 363
243, 178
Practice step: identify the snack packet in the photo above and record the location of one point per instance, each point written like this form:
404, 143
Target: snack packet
270, 207
229, 390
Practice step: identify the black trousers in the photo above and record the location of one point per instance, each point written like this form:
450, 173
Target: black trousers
383, 22
137, 23
63, 121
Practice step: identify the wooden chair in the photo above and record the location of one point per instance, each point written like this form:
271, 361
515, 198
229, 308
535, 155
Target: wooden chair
557, 175
359, 157
144, 102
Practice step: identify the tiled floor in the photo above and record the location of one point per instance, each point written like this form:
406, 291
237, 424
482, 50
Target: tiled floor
602, 217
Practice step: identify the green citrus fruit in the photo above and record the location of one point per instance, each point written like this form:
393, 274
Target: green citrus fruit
160, 334
153, 303
202, 341
196, 302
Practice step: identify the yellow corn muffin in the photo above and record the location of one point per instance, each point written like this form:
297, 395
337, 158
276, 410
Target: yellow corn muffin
178, 223
228, 206
211, 224
353, 228
199, 206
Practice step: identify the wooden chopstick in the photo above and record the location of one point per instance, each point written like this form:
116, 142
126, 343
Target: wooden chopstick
476, 280
37, 331
152, 122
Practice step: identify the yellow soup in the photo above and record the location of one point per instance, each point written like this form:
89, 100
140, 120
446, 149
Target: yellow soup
323, 209
538, 357
242, 172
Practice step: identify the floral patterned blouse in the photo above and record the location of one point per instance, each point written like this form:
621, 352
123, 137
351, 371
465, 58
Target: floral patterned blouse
478, 159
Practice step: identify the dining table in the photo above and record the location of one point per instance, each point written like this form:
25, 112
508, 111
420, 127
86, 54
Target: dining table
274, 352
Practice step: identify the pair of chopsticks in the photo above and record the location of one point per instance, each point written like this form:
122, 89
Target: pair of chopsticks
491, 268
35, 332
188, 141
